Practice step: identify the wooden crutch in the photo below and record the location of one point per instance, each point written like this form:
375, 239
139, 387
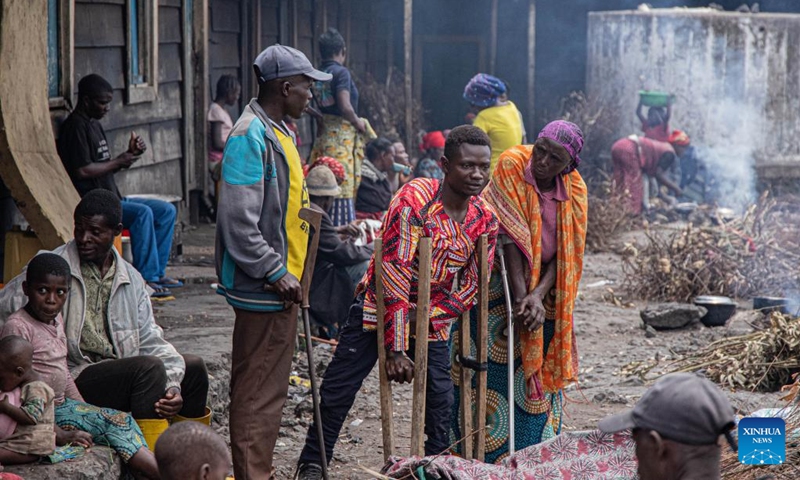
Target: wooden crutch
474, 443
420, 352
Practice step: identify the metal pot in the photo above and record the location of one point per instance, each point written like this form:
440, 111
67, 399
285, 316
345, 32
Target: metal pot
720, 309
771, 304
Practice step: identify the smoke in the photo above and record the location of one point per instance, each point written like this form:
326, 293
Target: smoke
729, 151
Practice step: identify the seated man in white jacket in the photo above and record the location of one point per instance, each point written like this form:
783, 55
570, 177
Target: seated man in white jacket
115, 350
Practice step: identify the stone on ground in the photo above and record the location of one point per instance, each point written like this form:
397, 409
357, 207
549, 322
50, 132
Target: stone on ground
100, 463
666, 316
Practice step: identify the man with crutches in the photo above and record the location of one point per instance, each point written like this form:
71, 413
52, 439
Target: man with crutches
261, 248
452, 215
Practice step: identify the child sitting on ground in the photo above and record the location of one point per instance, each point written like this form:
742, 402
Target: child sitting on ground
192, 451
39, 322
33, 436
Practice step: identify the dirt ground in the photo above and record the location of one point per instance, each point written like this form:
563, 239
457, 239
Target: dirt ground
609, 337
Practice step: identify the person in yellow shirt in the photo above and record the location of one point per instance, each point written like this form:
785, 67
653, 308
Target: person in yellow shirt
496, 114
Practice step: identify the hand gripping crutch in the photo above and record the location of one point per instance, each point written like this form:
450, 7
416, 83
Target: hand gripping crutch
511, 348
420, 355
313, 218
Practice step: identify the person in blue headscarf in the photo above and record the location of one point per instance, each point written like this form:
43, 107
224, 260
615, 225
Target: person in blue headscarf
496, 114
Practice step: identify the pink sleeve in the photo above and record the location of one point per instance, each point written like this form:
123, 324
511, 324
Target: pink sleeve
71, 390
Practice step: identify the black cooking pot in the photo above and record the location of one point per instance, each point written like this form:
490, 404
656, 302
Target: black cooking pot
720, 309
771, 304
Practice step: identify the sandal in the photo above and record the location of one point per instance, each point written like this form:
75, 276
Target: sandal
167, 282
158, 290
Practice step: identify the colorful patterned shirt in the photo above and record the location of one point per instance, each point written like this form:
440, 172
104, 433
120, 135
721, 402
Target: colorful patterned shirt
417, 211
95, 342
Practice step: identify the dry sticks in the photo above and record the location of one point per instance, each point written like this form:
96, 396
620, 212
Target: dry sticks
755, 254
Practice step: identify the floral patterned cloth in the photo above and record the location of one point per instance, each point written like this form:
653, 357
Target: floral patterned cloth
588, 455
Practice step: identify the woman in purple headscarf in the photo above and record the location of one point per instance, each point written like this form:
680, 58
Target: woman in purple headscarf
496, 114
540, 201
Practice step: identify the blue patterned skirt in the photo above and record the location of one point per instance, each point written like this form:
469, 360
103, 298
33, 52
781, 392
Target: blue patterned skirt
107, 426
535, 421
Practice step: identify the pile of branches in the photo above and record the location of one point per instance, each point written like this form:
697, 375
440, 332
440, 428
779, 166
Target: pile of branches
608, 216
755, 254
384, 105
597, 119
760, 361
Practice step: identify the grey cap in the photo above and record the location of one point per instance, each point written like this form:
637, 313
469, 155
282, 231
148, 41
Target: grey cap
681, 407
321, 182
280, 61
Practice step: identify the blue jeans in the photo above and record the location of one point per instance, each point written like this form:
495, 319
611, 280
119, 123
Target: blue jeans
151, 223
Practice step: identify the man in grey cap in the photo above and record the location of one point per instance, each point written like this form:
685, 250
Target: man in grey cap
261, 248
676, 426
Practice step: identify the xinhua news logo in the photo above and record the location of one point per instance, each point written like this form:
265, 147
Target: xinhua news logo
762, 441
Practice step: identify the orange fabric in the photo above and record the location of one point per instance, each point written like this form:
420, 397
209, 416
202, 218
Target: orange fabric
517, 207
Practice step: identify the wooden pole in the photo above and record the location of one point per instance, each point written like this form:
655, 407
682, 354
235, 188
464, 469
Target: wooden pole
482, 347
408, 15
465, 381
531, 63
493, 38
421, 348
202, 93
385, 386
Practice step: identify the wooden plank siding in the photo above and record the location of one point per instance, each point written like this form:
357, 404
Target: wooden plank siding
100, 47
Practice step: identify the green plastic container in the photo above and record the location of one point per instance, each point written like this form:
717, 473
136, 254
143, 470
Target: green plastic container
653, 98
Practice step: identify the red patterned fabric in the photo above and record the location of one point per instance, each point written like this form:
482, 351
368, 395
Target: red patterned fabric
571, 456
415, 212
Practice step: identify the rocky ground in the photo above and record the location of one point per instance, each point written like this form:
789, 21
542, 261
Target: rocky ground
608, 330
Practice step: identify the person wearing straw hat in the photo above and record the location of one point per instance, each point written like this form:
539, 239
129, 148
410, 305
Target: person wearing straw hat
676, 427
340, 262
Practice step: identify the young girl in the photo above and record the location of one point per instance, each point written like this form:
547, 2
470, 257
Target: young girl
39, 322
31, 410
656, 125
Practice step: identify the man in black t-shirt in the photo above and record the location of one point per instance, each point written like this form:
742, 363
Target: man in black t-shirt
84, 151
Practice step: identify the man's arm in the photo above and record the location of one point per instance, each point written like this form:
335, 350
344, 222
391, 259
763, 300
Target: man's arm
337, 251
151, 337
400, 238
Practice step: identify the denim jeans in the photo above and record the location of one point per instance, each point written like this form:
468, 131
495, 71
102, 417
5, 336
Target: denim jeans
151, 223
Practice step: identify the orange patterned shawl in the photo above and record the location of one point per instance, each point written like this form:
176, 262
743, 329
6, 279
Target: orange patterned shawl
517, 206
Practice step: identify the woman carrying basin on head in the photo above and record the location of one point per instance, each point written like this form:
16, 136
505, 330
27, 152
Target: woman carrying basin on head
540, 202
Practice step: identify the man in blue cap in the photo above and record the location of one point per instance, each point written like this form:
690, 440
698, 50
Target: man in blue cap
260, 252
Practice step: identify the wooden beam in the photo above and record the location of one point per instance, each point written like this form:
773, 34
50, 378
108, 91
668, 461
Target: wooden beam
295, 32
408, 17
531, 64
493, 38
201, 91
418, 399
387, 427
188, 164
465, 382
482, 347
283, 22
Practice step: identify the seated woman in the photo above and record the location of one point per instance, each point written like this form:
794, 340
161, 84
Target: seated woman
340, 262
375, 191
40, 323
635, 157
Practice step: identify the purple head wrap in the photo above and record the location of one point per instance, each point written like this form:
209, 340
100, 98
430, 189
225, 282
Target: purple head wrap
483, 90
569, 136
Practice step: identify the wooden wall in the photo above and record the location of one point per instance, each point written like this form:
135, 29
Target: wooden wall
100, 47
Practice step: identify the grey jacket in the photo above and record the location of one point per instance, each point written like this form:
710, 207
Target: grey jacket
132, 328
259, 235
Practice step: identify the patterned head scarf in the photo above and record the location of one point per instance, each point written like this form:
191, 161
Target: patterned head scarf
333, 165
679, 138
569, 136
483, 90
